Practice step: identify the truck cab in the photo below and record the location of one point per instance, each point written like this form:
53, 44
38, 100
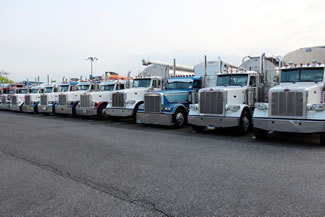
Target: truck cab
229, 104
49, 99
68, 101
32, 99
94, 103
125, 103
296, 105
18, 99
5, 97
170, 106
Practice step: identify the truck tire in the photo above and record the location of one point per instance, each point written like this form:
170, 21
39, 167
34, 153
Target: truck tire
180, 118
322, 138
260, 134
100, 114
245, 123
197, 128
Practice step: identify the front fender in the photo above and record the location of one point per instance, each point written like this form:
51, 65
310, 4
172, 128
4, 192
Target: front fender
101, 103
236, 113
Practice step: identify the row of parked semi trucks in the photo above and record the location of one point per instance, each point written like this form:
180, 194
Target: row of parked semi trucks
262, 93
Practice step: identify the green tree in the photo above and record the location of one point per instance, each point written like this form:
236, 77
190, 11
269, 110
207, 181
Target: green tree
4, 80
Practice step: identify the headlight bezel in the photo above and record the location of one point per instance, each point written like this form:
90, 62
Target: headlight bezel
261, 106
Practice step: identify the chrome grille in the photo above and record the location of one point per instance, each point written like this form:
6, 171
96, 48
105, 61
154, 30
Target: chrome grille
62, 99
118, 100
212, 102
27, 100
152, 103
14, 100
84, 100
287, 104
4, 99
44, 100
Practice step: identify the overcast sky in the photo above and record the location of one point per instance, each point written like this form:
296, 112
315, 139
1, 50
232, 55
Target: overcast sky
40, 37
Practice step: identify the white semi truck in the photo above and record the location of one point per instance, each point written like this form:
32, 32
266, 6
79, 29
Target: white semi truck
231, 102
296, 105
94, 103
18, 100
68, 101
32, 99
48, 99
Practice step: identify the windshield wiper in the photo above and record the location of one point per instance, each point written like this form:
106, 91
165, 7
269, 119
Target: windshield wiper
289, 81
309, 81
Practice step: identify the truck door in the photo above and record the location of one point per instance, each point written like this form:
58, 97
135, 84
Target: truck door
251, 91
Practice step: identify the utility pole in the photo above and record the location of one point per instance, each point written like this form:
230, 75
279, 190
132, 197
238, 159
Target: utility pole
91, 59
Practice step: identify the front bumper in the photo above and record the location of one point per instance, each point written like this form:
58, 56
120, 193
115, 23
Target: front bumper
290, 126
119, 112
4, 106
15, 108
28, 108
48, 109
213, 121
155, 118
63, 110
86, 111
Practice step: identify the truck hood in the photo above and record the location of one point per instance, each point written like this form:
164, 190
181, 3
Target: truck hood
304, 86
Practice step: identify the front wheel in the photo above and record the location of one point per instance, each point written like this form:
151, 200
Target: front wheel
245, 123
100, 112
260, 134
180, 118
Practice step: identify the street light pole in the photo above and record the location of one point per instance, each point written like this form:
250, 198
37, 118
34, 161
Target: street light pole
91, 59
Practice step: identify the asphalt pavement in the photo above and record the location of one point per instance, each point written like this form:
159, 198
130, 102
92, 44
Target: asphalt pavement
65, 166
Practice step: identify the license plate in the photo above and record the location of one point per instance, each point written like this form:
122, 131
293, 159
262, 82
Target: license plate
84, 111
210, 127
44, 108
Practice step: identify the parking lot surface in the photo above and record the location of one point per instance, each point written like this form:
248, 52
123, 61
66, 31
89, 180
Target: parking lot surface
64, 166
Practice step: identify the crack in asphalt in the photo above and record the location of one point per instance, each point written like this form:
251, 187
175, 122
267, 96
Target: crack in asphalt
114, 192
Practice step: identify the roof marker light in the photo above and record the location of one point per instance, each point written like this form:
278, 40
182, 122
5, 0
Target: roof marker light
308, 64
295, 65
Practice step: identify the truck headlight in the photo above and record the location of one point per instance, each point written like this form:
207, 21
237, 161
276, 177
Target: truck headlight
233, 108
194, 107
167, 108
130, 102
141, 107
109, 102
261, 106
317, 107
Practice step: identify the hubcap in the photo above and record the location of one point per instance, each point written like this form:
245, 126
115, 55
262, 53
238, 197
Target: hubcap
179, 119
245, 123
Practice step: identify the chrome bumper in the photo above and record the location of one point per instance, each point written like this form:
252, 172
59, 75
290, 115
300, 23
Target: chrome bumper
48, 109
212, 121
28, 108
155, 118
291, 126
63, 110
119, 112
4, 106
86, 111
15, 108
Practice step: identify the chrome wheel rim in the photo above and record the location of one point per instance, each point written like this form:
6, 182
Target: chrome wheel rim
180, 118
245, 123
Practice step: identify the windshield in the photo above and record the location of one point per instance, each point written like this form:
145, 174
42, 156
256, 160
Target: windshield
179, 85
84, 87
11, 91
107, 87
232, 80
34, 91
64, 88
302, 75
141, 83
23, 91
48, 89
